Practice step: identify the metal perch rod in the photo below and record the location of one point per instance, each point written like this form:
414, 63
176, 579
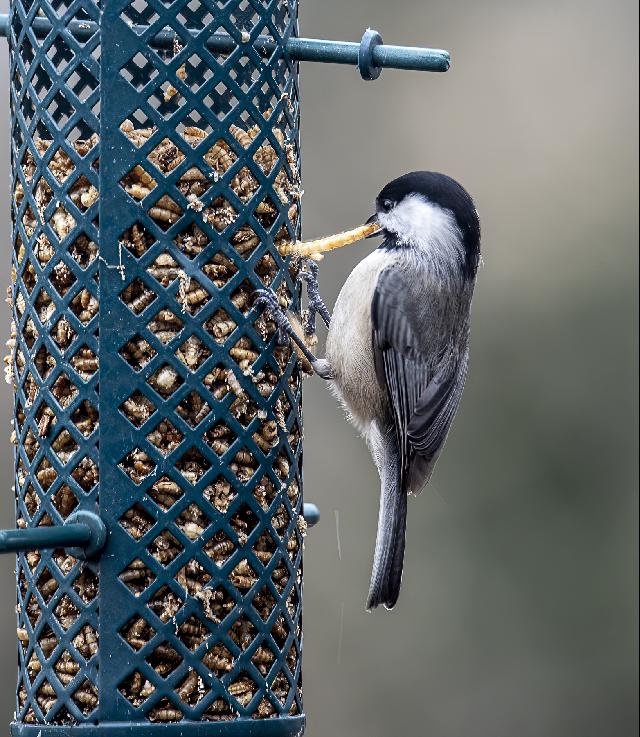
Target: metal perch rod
300, 49
40, 538
83, 530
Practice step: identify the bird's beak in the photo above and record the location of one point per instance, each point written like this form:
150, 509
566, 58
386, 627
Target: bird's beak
315, 249
371, 221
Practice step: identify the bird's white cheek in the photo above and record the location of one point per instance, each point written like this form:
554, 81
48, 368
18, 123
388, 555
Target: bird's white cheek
416, 221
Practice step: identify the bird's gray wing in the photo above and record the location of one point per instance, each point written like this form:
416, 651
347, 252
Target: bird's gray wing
424, 393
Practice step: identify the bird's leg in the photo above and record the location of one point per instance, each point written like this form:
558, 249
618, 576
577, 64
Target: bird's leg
309, 274
267, 299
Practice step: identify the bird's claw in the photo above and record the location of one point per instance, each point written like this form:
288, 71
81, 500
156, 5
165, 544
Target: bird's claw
309, 275
309, 272
267, 299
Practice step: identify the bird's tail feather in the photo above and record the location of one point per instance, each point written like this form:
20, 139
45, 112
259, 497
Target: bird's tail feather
390, 539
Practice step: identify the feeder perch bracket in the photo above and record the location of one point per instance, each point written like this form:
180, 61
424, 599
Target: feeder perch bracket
370, 55
83, 533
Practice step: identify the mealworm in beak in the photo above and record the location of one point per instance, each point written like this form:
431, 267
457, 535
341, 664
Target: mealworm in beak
322, 245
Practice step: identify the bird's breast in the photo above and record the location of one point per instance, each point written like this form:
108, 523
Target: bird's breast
349, 349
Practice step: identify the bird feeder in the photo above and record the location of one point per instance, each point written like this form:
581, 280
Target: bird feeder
158, 427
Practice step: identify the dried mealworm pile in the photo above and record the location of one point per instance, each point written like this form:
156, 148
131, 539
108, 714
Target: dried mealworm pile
221, 381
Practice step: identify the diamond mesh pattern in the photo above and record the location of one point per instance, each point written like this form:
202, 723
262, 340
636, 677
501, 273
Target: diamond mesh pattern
196, 157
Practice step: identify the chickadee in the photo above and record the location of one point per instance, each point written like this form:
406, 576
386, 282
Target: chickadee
397, 345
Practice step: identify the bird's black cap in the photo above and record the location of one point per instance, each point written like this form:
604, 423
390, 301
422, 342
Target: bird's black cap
445, 192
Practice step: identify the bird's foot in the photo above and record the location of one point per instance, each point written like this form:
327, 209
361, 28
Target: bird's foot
268, 299
309, 275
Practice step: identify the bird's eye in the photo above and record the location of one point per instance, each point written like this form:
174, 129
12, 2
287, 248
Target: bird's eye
387, 205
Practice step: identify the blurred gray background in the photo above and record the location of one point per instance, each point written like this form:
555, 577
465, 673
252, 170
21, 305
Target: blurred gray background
518, 614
